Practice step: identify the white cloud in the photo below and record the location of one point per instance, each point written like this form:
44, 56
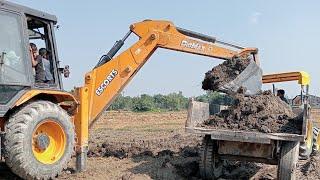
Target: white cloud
255, 17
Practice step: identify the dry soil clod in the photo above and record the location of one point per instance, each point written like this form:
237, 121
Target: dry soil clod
224, 73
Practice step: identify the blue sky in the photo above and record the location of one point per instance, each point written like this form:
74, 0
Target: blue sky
286, 33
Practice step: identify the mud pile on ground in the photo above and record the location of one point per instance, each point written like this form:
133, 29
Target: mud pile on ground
175, 157
149, 147
224, 73
263, 112
309, 169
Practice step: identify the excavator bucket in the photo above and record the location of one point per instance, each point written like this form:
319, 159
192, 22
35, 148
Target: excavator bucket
250, 79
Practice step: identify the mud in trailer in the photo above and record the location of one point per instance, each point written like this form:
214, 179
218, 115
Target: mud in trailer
281, 149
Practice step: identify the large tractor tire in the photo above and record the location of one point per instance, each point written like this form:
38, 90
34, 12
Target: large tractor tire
39, 141
210, 165
289, 153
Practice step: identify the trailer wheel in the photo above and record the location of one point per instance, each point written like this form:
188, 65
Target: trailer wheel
210, 165
288, 159
316, 140
306, 147
39, 141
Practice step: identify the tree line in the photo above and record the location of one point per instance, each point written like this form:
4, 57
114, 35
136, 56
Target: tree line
169, 102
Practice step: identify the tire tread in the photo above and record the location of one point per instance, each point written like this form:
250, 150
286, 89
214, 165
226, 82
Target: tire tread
16, 127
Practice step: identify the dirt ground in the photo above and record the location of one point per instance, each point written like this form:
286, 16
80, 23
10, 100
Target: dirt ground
128, 146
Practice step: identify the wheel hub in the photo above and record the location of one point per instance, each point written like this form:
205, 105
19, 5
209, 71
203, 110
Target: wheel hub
42, 142
49, 142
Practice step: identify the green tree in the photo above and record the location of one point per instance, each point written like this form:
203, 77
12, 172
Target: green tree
121, 102
160, 101
170, 102
176, 101
143, 103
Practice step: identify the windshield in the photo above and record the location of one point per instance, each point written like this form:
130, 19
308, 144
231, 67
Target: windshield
12, 66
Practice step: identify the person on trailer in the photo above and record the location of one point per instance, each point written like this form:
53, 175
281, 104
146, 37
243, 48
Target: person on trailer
281, 94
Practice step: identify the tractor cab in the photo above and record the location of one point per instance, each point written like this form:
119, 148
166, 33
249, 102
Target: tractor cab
20, 26
301, 105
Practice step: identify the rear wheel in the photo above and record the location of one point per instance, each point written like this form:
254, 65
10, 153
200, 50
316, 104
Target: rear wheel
210, 165
39, 141
288, 159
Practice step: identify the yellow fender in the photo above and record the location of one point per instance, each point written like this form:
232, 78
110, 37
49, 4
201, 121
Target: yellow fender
59, 96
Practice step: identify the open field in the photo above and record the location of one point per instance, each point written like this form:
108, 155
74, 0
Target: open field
126, 145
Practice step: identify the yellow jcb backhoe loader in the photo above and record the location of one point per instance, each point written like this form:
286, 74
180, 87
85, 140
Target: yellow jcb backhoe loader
41, 124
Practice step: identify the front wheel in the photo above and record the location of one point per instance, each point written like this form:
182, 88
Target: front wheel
39, 141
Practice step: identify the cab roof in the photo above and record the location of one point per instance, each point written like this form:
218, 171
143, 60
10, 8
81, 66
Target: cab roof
28, 11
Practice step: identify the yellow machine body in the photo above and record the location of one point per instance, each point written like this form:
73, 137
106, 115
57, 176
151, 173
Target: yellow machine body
104, 83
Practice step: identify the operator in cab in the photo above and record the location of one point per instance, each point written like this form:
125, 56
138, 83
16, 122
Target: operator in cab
34, 55
281, 94
43, 68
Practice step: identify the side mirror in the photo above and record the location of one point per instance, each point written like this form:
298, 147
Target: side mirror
65, 71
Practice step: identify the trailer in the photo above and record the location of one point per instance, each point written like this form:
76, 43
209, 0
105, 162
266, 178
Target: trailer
281, 149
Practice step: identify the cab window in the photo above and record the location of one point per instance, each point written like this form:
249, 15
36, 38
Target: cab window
38, 34
12, 60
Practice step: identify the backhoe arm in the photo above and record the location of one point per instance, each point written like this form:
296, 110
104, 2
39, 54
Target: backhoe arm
111, 75
170, 37
104, 83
